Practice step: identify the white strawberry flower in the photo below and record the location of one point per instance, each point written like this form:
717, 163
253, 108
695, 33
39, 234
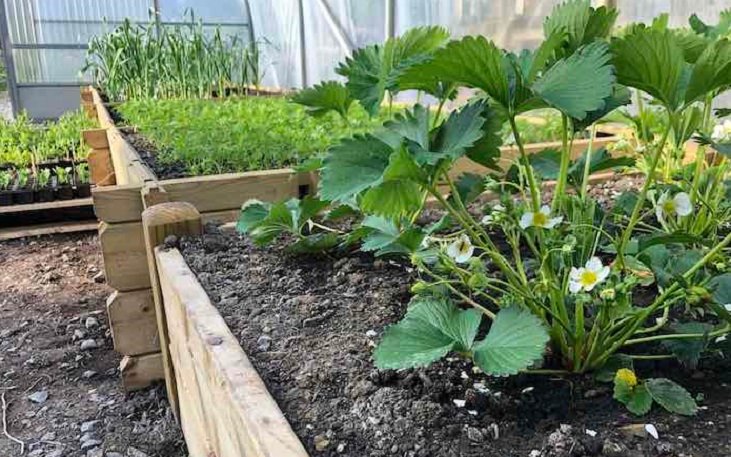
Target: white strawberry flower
541, 218
587, 277
722, 131
679, 205
461, 249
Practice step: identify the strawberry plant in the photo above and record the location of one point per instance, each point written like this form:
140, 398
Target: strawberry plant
563, 272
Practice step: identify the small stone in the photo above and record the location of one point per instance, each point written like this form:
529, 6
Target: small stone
321, 442
99, 278
55, 453
79, 334
474, 434
38, 397
341, 448
113, 454
88, 374
48, 436
89, 426
371, 334
170, 241
96, 452
91, 322
635, 430
90, 443
264, 343
614, 449
134, 452
89, 344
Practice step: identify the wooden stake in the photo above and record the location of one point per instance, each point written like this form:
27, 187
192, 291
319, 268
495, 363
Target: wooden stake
158, 222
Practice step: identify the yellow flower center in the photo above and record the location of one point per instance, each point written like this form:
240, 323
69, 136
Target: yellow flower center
668, 206
587, 278
463, 247
627, 376
540, 219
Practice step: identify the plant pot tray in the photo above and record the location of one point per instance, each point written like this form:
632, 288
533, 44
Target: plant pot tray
47, 213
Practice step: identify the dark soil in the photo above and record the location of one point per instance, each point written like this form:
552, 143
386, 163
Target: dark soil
149, 153
52, 299
309, 325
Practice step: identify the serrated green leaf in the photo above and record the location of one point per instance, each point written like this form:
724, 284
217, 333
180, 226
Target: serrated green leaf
721, 288
431, 329
651, 60
689, 350
323, 98
383, 236
469, 186
711, 72
456, 135
353, 166
619, 97
640, 401
318, 242
373, 70
581, 23
486, 150
580, 83
515, 341
546, 163
671, 396
646, 242
412, 125
393, 199
252, 213
601, 160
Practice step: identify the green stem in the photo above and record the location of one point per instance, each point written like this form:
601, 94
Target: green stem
564, 166
677, 336
534, 189
701, 150
642, 197
587, 165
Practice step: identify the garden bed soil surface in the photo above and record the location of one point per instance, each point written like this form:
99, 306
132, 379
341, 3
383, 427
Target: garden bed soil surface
148, 152
65, 400
309, 325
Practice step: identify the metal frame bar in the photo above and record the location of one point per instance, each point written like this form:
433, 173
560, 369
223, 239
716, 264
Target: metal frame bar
8, 57
390, 24
343, 39
303, 47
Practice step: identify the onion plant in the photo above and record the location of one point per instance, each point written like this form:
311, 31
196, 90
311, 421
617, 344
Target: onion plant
559, 279
145, 61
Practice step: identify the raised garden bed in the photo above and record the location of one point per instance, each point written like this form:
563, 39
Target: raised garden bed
217, 197
306, 328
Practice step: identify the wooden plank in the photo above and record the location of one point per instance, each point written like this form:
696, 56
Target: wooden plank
230, 191
226, 409
140, 371
127, 163
101, 167
12, 233
96, 138
56, 204
125, 258
103, 116
115, 204
158, 222
133, 323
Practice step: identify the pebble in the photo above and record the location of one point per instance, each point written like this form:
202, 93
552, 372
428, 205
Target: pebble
48, 436
321, 442
89, 426
91, 322
88, 345
96, 452
88, 374
264, 343
134, 452
474, 434
79, 334
114, 454
613, 449
55, 453
38, 397
90, 443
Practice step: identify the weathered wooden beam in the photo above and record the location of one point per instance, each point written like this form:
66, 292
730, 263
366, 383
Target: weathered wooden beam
159, 222
140, 371
133, 323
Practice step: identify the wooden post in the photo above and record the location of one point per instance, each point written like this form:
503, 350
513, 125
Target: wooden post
159, 222
100, 158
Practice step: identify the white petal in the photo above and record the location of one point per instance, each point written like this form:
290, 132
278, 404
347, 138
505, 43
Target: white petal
459, 403
594, 264
727, 306
453, 249
683, 206
465, 256
652, 431
659, 213
574, 286
590, 287
602, 274
554, 222
487, 219
575, 273
591, 433
526, 220
718, 132
498, 207
545, 209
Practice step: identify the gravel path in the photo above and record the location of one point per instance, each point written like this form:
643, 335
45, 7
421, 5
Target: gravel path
58, 371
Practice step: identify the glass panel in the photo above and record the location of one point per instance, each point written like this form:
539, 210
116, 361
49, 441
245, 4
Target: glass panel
49, 65
679, 10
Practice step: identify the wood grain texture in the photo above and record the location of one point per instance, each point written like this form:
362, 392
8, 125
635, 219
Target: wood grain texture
158, 222
225, 407
101, 168
96, 138
230, 191
120, 203
133, 322
125, 257
141, 371
128, 166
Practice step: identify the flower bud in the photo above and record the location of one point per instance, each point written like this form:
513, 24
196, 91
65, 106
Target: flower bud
419, 287
477, 281
608, 294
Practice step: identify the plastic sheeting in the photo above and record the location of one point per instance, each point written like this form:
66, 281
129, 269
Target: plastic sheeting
328, 30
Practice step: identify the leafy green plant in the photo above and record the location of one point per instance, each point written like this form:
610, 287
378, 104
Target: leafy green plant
253, 133
6, 179
159, 61
569, 269
43, 178
23, 176
82, 173
638, 396
63, 175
